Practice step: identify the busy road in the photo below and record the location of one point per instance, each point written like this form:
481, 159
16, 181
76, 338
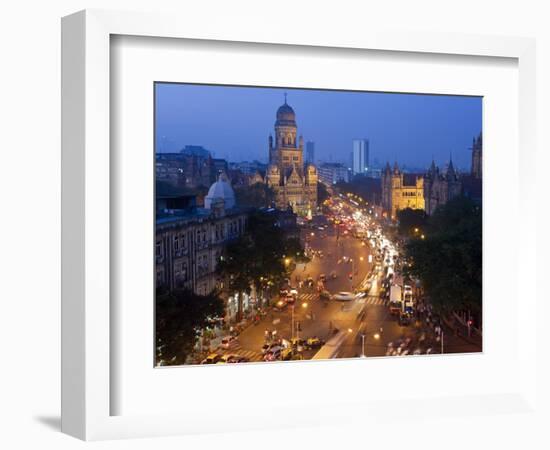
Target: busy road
340, 302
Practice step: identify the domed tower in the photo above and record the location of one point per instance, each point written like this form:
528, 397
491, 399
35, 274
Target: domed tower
292, 183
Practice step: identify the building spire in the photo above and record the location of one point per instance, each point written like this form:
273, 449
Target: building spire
285, 98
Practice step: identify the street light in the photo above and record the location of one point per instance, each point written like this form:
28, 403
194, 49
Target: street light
363, 346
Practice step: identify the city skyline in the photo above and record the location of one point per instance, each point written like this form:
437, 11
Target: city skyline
235, 122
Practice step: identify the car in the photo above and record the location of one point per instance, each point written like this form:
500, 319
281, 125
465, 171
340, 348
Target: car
405, 319
333, 274
213, 358
268, 346
325, 295
322, 277
281, 304
314, 342
238, 359
273, 354
293, 291
344, 296
287, 354
224, 359
228, 341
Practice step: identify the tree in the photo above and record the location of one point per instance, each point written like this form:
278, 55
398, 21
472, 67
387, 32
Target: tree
258, 258
180, 316
411, 221
448, 260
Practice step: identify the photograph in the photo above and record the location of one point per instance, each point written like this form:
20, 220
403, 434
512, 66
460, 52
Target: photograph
296, 224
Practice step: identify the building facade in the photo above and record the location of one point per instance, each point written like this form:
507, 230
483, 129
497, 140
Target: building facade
332, 173
293, 182
440, 187
189, 242
401, 190
360, 156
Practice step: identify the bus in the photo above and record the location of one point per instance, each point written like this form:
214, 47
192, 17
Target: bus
333, 347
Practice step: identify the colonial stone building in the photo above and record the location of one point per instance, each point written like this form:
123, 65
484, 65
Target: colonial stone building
293, 182
439, 187
401, 190
189, 242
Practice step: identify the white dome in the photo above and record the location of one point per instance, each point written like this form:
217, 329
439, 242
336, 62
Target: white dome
220, 190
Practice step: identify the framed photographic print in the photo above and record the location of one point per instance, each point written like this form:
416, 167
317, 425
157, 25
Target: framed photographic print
308, 250
316, 220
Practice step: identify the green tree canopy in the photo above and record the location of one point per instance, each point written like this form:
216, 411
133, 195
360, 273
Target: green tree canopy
180, 316
448, 260
258, 257
410, 220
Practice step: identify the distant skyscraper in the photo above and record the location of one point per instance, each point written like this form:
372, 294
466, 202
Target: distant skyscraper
360, 156
310, 152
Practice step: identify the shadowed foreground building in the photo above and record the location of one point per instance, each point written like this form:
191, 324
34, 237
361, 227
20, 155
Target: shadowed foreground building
189, 242
293, 182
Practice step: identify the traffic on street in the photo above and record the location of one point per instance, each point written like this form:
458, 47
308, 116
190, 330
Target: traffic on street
350, 300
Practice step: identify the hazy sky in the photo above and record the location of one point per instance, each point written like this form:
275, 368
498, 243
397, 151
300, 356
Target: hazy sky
235, 122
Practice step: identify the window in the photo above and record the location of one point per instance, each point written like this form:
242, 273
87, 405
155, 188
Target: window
295, 158
158, 249
176, 242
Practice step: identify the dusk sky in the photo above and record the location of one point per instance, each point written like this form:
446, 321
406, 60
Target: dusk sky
235, 122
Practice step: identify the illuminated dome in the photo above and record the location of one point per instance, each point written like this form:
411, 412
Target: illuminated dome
285, 116
220, 190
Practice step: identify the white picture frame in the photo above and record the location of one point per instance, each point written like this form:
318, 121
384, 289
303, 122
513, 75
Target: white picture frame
87, 385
